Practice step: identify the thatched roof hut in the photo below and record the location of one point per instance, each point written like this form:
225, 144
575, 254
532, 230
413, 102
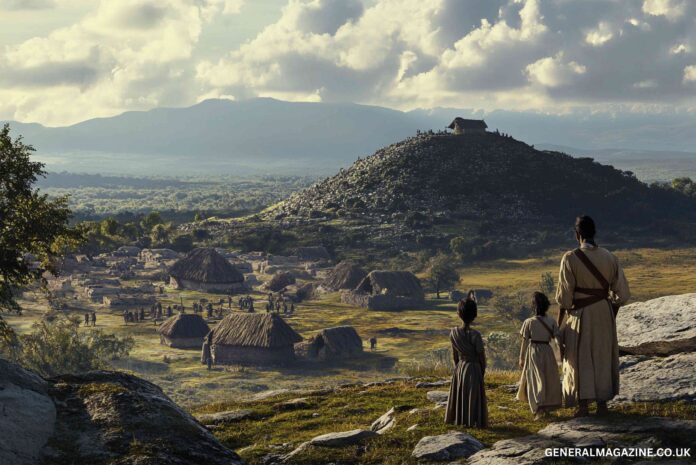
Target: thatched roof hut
468, 126
204, 269
387, 290
253, 338
345, 275
182, 331
332, 343
280, 281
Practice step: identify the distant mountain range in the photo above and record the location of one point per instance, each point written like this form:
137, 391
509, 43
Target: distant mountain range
223, 137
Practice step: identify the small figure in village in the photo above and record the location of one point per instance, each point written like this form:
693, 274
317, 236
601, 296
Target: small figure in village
142, 314
125, 317
86, 319
206, 354
169, 311
292, 308
540, 384
467, 405
136, 316
94, 318
373, 343
251, 305
229, 302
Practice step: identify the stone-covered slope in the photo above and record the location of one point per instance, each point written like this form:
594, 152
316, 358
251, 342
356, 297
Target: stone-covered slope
481, 177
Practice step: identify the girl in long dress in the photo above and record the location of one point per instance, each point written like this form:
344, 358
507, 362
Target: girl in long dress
467, 398
540, 384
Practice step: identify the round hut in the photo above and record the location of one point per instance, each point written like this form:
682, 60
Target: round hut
387, 290
345, 275
340, 342
204, 269
253, 339
183, 331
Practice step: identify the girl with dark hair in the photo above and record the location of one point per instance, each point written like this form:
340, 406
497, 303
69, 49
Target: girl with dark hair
540, 384
467, 397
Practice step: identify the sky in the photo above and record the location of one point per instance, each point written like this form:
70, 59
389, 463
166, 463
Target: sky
65, 61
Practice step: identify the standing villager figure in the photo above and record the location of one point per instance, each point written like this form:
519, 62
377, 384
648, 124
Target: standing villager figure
86, 319
591, 287
467, 404
94, 318
206, 354
540, 384
169, 311
373, 343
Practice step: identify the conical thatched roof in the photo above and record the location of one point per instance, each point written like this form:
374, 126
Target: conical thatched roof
345, 275
341, 339
205, 265
184, 325
398, 283
255, 330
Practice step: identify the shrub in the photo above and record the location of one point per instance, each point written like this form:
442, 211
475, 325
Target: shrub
516, 305
502, 350
57, 346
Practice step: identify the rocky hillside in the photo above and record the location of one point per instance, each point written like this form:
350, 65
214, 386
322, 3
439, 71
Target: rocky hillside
482, 177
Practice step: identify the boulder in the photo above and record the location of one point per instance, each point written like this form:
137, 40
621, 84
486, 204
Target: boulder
385, 422
345, 438
28, 414
449, 446
433, 384
661, 326
121, 419
230, 416
439, 397
295, 404
657, 379
588, 432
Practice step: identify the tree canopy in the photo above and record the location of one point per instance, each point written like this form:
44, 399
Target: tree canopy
34, 229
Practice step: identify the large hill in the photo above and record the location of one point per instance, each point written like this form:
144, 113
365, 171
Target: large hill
271, 136
495, 192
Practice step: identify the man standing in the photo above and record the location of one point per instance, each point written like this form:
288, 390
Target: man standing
591, 286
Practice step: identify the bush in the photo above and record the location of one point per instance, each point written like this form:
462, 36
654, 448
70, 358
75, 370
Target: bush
57, 346
516, 305
502, 350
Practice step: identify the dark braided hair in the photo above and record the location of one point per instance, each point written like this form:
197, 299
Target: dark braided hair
540, 303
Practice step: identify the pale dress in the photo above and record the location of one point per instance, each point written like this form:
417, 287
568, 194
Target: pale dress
540, 383
591, 350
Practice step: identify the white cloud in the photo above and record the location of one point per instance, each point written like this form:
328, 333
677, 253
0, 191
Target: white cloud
671, 9
17, 5
690, 74
600, 35
554, 72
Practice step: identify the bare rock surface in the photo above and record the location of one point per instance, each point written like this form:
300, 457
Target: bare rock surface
661, 326
449, 446
590, 432
433, 384
27, 415
385, 422
438, 397
341, 439
116, 418
650, 379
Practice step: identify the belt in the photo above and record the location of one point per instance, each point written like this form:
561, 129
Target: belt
539, 342
595, 295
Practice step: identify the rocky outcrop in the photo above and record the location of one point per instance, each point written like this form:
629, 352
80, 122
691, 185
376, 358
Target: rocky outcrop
438, 397
385, 422
98, 418
229, 416
657, 379
662, 326
449, 446
343, 438
590, 432
27, 415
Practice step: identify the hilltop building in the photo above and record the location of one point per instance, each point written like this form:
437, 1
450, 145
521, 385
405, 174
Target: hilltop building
183, 331
462, 126
331, 343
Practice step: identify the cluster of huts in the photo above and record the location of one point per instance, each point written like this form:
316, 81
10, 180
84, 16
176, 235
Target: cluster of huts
257, 339
377, 290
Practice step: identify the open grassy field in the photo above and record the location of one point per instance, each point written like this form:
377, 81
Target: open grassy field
402, 336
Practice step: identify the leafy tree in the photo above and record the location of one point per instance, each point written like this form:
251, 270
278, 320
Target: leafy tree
58, 346
463, 247
684, 185
149, 221
441, 273
32, 226
160, 234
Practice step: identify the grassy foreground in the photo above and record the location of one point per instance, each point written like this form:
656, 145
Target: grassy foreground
278, 430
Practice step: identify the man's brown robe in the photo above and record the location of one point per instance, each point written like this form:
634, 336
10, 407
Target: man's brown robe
591, 350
